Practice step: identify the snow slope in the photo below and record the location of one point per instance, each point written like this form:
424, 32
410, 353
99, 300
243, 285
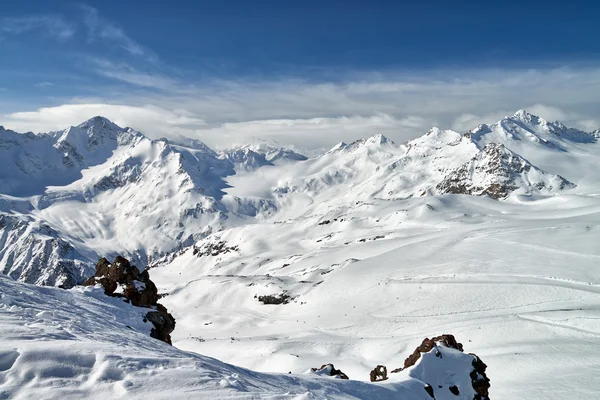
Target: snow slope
516, 280
82, 344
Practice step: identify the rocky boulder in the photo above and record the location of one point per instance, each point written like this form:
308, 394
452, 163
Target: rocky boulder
329, 370
274, 299
121, 279
379, 374
441, 364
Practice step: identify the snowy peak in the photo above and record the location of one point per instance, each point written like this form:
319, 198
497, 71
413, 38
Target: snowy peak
253, 156
524, 128
274, 151
245, 159
436, 137
497, 172
528, 118
99, 123
378, 139
374, 142
89, 143
190, 143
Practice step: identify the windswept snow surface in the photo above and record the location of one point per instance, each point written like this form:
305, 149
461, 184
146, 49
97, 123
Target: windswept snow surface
371, 253
75, 344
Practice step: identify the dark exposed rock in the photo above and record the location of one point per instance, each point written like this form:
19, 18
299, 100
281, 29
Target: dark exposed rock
282, 298
329, 370
429, 391
121, 279
454, 390
163, 322
379, 374
214, 249
427, 345
479, 380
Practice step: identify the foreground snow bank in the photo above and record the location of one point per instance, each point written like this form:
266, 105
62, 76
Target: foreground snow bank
80, 343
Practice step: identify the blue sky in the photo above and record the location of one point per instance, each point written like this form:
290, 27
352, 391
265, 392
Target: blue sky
308, 72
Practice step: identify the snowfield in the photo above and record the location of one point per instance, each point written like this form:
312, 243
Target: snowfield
491, 235
82, 344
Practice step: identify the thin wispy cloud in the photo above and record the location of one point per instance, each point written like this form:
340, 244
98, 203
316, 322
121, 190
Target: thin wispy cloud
125, 73
101, 29
52, 25
44, 84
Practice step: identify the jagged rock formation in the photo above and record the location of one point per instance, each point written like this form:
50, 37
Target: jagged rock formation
121, 279
379, 374
497, 172
329, 370
446, 351
214, 249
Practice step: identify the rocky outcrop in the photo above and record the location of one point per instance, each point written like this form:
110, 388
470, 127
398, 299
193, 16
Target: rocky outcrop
479, 380
214, 249
275, 299
379, 374
496, 171
447, 346
427, 345
121, 279
329, 370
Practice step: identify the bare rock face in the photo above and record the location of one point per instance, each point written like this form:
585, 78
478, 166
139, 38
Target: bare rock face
496, 171
214, 249
121, 279
329, 370
379, 374
480, 383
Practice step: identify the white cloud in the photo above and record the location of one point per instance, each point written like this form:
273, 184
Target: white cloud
53, 25
101, 29
310, 132
320, 115
157, 121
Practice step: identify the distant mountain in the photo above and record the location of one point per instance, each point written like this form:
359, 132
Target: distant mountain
253, 156
524, 128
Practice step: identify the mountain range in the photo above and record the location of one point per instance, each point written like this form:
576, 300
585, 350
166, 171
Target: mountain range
96, 189
279, 262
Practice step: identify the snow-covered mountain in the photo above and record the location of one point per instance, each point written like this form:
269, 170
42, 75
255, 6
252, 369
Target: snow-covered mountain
100, 189
496, 171
253, 156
